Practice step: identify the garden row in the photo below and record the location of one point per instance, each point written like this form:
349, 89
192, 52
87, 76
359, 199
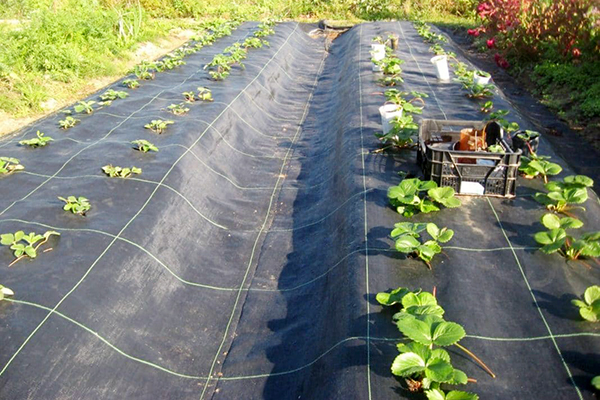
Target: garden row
28, 246
423, 362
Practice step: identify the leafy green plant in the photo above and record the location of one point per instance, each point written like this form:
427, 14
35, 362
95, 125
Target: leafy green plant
423, 362
563, 196
589, 308
205, 94
77, 205
25, 245
399, 97
39, 141
131, 83
218, 75
254, 42
178, 109
144, 146
596, 382
9, 165
189, 97
158, 125
499, 116
5, 292
85, 107
496, 148
477, 91
487, 107
406, 197
556, 238
143, 71
401, 135
378, 39
535, 165
111, 94
406, 235
68, 122
118, 172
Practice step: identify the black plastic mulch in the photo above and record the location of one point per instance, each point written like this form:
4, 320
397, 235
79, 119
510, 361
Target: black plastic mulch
244, 261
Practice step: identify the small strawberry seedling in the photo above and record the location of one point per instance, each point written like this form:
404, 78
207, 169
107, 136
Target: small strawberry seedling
563, 196
556, 238
407, 197
535, 165
204, 94
32, 243
487, 106
254, 43
398, 97
131, 83
68, 122
189, 97
401, 135
144, 146
118, 172
406, 234
77, 205
8, 165
499, 117
111, 94
158, 125
85, 107
218, 76
589, 308
178, 109
39, 141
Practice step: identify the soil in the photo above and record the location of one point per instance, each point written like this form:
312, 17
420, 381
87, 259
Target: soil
145, 51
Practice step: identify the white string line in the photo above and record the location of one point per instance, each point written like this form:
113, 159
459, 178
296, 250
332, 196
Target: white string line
128, 223
366, 229
146, 83
537, 306
255, 376
252, 254
221, 288
422, 73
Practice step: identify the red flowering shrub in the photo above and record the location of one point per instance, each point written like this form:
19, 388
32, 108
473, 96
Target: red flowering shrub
528, 28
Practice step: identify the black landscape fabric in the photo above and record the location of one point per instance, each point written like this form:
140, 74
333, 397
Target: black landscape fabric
243, 262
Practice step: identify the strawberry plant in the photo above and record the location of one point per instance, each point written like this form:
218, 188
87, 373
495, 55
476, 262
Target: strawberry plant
77, 205
143, 70
589, 308
535, 165
401, 135
178, 109
596, 382
5, 292
499, 116
218, 76
25, 245
406, 197
406, 237
158, 125
556, 238
495, 148
8, 165
118, 172
487, 106
189, 97
398, 97
563, 196
68, 122
111, 94
205, 94
131, 83
39, 141
477, 91
254, 42
144, 146
85, 107
423, 362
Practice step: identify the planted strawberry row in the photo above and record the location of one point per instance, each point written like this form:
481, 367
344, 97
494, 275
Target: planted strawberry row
424, 367
26, 246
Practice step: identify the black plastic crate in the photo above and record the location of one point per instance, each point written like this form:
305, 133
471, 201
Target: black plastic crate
467, 172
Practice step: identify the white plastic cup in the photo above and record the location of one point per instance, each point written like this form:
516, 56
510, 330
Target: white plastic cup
378, 51
377, 68
388, 112
441, 67
481, 80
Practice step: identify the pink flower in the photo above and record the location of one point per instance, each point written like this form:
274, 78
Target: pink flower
473, 32
576, 52
501, 61
491, 43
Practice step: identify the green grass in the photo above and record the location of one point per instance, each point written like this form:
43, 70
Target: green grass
62, 44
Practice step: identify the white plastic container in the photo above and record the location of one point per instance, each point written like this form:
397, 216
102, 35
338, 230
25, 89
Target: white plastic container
388, 112
377, 67
441, 67
378, 51
481, 80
